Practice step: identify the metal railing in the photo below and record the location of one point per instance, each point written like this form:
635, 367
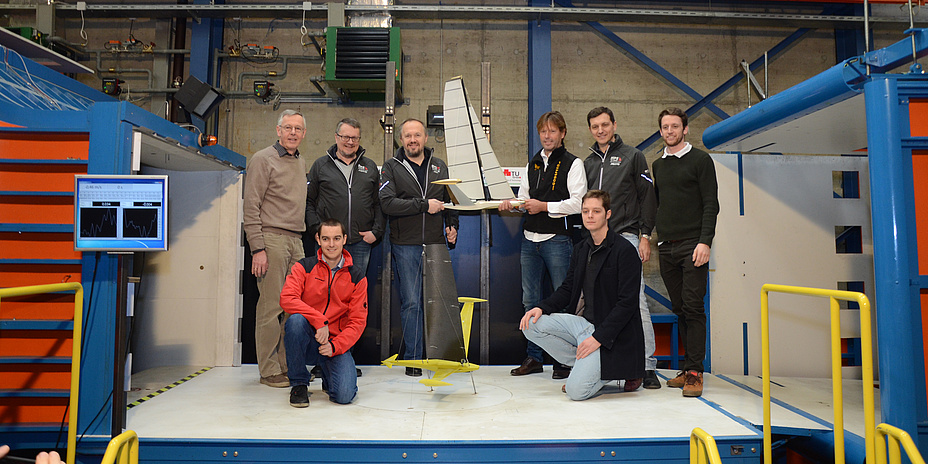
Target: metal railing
703, 449
896, 437
123, 449
75, 347
866, 351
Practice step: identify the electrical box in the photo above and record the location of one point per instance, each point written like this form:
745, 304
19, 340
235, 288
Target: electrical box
356, 58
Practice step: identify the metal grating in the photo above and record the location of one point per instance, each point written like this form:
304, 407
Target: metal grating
362, 53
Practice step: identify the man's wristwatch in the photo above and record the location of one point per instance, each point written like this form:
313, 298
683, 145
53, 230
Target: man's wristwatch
646, 236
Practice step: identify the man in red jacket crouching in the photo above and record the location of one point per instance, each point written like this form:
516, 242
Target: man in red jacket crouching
327, 300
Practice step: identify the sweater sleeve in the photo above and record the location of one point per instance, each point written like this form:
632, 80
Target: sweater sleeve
709, 190
256, 182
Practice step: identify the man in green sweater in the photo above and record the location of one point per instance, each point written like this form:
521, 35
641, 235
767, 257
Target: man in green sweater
687, 206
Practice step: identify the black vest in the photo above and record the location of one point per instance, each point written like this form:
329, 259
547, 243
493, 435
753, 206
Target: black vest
549, 185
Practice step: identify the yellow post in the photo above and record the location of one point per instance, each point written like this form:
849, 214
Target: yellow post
866, 363
75, 348
123, 449
703, 449
896, 437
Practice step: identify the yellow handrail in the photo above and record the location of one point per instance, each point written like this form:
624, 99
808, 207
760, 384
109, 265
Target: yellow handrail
123, 448
703, 449
896, 436
866, 351
75, 347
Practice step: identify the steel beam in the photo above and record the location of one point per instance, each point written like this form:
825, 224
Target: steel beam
703, 102
753, 14
647, 62
539, 76
894, 247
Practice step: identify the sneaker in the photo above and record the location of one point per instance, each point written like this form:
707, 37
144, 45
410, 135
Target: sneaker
276, 381
632, 385
299, 397
561, 371
693, 386
414, 372
678, 381
651, 382
315, 373
359, 371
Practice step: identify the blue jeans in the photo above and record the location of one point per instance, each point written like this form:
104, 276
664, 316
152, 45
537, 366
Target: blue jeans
360, 254
407, 275
560, 334
339, 377
650, 362
553, 255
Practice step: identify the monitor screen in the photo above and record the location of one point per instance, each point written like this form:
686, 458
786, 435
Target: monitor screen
120, 213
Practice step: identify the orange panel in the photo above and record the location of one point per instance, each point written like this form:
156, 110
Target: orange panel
46, 146
24, 410
59, 307
37, 210
37, 245
21, 376
35, 343
919, 174
40, 177
663, 341
924, 294
918, 117
20, 275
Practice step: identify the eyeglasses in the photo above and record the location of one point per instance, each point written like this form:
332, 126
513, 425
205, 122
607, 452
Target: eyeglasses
345, 138
297, 129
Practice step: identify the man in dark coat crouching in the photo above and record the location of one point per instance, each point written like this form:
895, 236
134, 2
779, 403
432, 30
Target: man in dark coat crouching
600, 335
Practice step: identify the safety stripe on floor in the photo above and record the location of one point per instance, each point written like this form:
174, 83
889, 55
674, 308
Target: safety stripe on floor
164, 389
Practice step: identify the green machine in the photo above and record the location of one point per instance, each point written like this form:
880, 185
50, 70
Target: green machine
356, 58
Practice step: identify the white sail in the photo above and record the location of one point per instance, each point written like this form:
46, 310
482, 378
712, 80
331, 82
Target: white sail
465, 141
459, 141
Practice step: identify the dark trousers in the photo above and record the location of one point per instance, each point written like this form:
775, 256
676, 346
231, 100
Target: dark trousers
686, 285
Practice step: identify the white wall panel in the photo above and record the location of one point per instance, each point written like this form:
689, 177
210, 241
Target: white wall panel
786, 236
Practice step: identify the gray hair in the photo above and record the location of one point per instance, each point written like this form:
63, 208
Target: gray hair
285, 113
348, 121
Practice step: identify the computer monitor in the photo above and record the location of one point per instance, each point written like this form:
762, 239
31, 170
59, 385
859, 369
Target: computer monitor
120, 213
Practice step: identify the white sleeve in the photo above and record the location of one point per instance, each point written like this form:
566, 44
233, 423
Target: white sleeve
576, 185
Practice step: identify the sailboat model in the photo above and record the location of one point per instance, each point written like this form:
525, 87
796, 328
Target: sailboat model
472, 164
447, 324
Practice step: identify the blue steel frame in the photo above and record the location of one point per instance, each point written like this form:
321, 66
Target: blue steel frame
895, 247
205, 38
109, 124
539, 76
895, 242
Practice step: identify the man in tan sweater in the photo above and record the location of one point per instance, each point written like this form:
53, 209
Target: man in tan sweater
275, 198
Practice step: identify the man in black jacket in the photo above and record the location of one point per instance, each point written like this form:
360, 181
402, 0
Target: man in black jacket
343, 185
600, 334
622, 170
415, 209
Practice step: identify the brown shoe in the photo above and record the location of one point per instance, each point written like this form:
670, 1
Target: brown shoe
561, 371
678, 381
632, 385
276, 381
693, 386
529, 366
